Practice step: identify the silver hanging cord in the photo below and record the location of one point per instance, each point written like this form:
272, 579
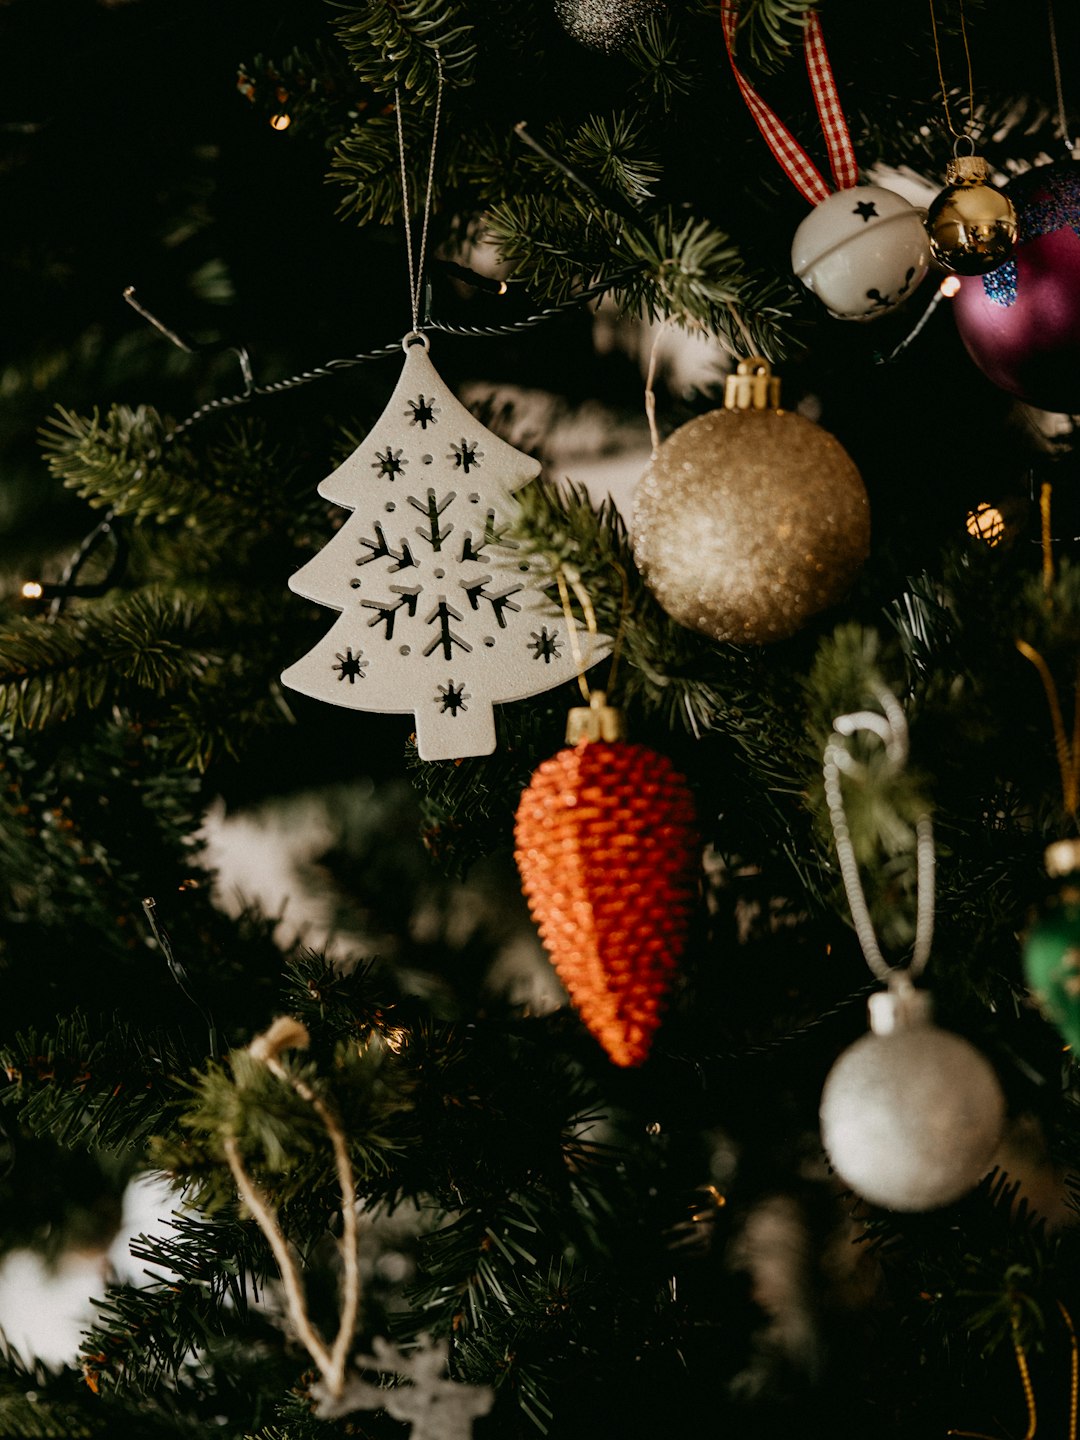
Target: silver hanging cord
1056, 60
416, 269
891, 729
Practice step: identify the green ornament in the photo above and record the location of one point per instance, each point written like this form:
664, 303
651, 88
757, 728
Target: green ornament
1052, 945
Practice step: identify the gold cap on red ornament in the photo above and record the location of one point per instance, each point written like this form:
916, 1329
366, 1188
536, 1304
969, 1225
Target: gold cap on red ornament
600, 721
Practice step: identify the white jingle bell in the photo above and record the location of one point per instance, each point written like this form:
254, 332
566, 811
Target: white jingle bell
911, 1115
861, 251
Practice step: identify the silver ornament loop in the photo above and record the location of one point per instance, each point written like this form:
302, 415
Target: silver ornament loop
891, 729
416, 265
414, 338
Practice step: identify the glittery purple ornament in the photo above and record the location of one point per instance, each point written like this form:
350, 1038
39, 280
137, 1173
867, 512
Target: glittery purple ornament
1021, 323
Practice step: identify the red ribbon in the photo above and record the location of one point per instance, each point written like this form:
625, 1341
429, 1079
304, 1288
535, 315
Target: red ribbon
794, 160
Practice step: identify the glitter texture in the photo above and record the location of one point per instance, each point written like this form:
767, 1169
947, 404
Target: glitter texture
747, 523
911, 1120
1021, 322
1055, 204
1000, 284
606, 844
603, 24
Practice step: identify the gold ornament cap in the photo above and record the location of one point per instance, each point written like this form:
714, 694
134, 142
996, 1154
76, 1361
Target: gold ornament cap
752, 387
966, 170
1062, 858
600, 721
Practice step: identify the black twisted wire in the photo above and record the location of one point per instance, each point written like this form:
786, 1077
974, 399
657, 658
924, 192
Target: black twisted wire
331, 367
67, 587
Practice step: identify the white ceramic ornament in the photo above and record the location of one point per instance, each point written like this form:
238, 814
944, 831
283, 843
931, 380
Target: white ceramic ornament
861, 251
440, 615
911, 1115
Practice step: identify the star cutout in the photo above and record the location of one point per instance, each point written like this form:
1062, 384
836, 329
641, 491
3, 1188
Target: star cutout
865, 209
544, 646
466, 456
422, 412
451, 698
351, 667
390, 464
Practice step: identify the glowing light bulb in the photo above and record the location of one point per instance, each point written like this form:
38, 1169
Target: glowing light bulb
949, 286
281, 122
32, 590
986, 522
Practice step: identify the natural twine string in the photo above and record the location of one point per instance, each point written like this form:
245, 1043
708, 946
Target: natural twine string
331, 1361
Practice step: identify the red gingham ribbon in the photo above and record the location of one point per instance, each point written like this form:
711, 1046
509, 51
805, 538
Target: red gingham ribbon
794, 160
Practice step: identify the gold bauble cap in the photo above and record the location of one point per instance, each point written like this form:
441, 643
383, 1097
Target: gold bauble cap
600, 721
752, 387
966, 170
1062, 858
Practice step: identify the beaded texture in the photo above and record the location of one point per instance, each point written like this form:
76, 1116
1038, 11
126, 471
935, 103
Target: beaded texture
607, 847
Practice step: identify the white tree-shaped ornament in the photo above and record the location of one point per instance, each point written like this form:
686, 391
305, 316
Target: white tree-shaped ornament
441, 614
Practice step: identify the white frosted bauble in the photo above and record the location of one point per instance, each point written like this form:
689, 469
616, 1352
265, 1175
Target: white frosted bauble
861, 251
911, 1120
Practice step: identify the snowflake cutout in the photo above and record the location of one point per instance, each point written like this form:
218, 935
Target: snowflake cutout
466, 456
447, 638
437, 1407
350, 666
544, 646
422, 412
451, 698
390, 463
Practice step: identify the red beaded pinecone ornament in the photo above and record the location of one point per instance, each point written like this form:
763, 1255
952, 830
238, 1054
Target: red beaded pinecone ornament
607, 848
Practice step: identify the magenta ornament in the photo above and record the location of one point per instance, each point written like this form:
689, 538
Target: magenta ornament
1021, 322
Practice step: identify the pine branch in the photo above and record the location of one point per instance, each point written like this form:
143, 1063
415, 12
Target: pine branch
665, 71
149, 642
127, 463
117, 461
23, 1418
204, 1278
392, 44
770, 29
690, 273
84, 1088
38, 1402
146, 1336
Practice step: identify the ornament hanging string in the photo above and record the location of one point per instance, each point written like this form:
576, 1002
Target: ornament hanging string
332, 1360
957, 135
1067, 750
567, 578
416, 266
793, 159
891, 729
1055, 60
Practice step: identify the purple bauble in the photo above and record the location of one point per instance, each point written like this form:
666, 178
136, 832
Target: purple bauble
1021, 322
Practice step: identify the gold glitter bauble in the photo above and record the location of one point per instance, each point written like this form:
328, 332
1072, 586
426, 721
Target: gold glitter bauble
972, 226
748, 522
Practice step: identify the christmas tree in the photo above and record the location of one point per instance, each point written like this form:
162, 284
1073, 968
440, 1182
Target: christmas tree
407, 1186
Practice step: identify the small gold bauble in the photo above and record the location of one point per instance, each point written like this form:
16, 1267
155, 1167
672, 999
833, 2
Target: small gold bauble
748, 522
972, 226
